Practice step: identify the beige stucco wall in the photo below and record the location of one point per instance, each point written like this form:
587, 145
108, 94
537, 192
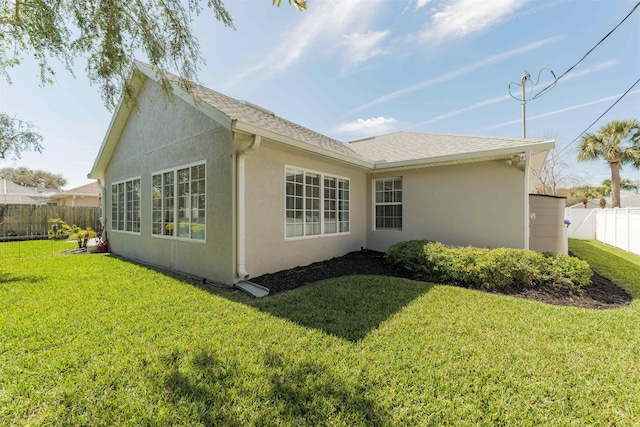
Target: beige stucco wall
164, 136
480, 204
267, 250
547, 229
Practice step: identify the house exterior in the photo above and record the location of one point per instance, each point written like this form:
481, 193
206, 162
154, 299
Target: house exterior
86, 195
15, 194
226, 190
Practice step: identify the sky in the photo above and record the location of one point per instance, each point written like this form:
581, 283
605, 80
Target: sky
356, 68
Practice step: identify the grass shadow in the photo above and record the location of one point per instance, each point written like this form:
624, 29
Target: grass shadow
215, 389
10, 278
348, 307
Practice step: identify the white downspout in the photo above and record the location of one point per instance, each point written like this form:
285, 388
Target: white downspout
103, 211
527, 218
240, 207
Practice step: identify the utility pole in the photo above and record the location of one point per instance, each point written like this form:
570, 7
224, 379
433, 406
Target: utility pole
526, 79
523, 82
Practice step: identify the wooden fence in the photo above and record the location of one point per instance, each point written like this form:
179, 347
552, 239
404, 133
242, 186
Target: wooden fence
33, 221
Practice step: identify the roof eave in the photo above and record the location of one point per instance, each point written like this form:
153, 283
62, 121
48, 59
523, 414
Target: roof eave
249, 129
459, 158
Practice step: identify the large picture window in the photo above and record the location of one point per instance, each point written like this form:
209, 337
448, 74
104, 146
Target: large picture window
125, 206
316, 204
178, 204
388, 204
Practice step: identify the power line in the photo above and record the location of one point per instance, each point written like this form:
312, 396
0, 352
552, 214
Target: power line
587, 54
601, 115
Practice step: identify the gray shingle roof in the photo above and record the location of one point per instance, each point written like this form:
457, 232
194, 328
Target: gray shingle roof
254, 115
393, 147
632, 201
399, 146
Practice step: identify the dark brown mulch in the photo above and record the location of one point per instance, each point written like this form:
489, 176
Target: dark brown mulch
601, 294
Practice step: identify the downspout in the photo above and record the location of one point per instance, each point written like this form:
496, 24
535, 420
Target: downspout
240, 207
102, 207
527, 218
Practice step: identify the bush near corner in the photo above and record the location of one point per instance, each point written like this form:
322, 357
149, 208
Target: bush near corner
489, 268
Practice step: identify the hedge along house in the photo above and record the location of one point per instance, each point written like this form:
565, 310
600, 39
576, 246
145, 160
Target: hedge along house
225, 190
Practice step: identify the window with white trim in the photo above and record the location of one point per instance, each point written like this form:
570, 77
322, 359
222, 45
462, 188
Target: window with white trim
388, 205
178, 202
315, 204
125, 206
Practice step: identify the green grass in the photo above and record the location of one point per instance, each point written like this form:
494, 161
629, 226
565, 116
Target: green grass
34, 248
94, 340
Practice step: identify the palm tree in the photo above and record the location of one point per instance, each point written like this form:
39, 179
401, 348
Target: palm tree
618, 143
625, 185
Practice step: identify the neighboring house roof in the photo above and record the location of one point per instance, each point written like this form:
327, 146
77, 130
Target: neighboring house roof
396, 150
88, 190
631, 201
16, 194
591, 204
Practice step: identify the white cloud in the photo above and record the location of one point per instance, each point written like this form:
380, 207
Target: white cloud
372, 126
422, 3
325, 23
460, 18
364, 46
453, 74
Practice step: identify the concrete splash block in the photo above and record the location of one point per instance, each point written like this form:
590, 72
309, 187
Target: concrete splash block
253, 289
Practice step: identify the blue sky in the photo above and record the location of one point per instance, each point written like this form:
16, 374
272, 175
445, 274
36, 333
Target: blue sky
355, 68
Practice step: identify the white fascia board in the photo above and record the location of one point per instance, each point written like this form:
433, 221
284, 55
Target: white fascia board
249, 129
464, 157
190, 99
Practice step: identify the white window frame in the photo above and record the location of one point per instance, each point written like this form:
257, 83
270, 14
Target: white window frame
122, 206
343, 211
392, 203
175, 210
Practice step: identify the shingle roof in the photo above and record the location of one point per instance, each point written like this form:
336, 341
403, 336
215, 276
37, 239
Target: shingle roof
632, 201
381, 152
16, 194
257, 116
92, 189
400, 146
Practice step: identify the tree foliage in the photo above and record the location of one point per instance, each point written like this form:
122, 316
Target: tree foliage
617, 143
108, 34
33, 178
17, 136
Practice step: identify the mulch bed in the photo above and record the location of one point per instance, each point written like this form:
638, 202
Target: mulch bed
601, 294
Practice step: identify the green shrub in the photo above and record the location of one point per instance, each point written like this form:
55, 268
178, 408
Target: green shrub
488, 268
409, 255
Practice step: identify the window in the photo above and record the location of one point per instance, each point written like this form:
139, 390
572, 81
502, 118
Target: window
315, 204
125, 206
389, 204
336, 205
179, 197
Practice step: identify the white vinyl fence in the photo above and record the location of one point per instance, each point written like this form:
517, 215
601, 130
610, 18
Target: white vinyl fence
616, 227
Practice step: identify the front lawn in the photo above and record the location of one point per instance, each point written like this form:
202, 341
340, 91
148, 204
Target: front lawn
94, 340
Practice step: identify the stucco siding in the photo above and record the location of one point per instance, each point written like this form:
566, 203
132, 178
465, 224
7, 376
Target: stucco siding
480, 204
267, 249
161, 136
